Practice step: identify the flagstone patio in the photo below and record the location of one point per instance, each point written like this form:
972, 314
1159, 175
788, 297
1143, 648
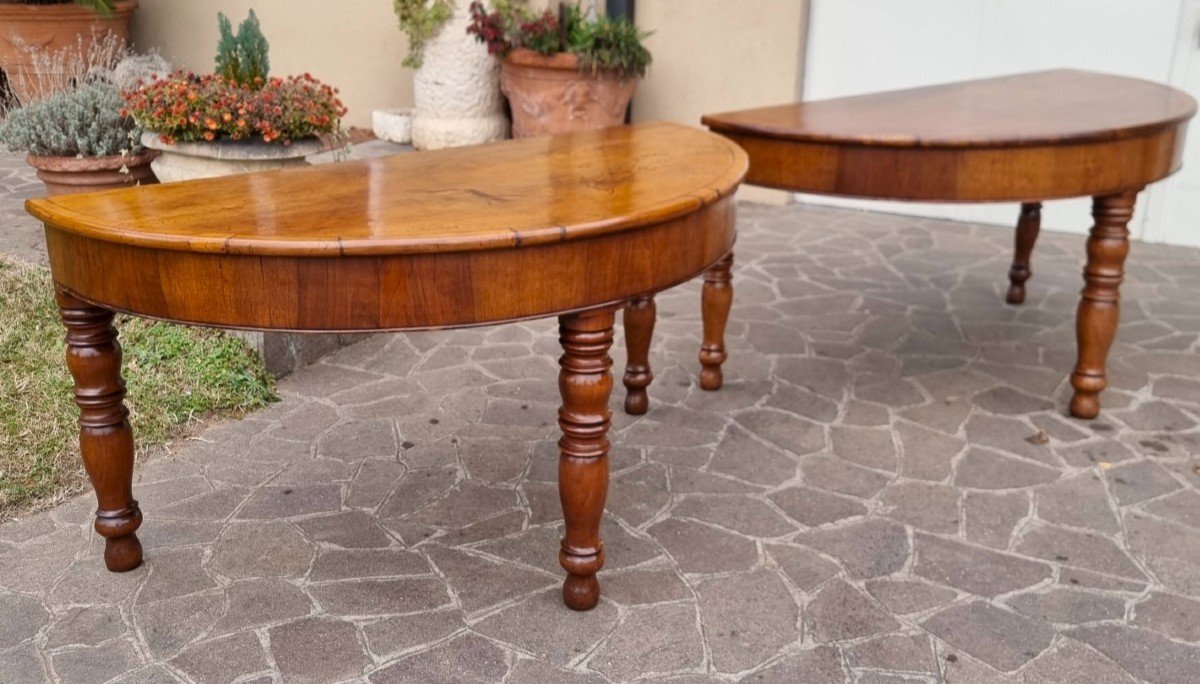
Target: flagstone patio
886, 490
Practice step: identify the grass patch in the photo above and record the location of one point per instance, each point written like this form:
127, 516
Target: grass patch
175, 375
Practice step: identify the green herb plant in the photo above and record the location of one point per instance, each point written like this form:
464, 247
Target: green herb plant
84, 122
609, 45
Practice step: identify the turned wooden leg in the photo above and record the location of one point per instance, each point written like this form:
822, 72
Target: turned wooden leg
639, 331
1099, 306
1028, 227
105, 437
715, 301
585, 383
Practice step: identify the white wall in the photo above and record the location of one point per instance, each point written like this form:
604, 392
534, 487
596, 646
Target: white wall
858, 46
716, 56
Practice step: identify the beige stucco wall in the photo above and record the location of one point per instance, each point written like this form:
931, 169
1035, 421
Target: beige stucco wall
717, 55
709, 55
354, 45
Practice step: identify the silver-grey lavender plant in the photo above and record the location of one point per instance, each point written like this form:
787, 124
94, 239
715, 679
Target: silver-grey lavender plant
84, 122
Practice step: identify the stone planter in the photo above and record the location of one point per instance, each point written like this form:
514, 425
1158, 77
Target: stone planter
548, 95
67, 175
191, 160
393, 125
48, 29
456, 91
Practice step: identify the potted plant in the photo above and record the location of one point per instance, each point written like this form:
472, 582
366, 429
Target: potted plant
237, 120
562, 70
79, 141
48, 26
456, 86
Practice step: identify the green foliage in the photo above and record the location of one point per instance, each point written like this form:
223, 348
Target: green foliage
610, 45
104, 7
175, 374
543, 35
86, 121
603, 44
421, 20
242, 56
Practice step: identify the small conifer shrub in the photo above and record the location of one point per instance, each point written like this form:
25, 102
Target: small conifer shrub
242, 56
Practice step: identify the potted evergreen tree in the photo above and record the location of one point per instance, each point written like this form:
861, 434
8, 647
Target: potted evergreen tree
562, 70
48, 26
456, 85
237, 120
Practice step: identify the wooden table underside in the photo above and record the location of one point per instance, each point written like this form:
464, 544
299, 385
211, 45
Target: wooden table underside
574, 227
1023, 138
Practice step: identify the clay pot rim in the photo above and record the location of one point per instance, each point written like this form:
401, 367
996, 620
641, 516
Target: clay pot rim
524, 58
110, 162
566, 61
68, 10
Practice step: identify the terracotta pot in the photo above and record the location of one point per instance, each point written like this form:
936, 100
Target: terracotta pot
68, 175
50, 28
184, 161
548, 95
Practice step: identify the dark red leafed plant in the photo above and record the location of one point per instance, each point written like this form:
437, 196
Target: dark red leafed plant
489, 28
542, 34
513, 25
603, 44
185, 107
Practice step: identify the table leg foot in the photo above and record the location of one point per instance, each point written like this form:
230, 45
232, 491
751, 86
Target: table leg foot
640, 314
585, 383
105, 436
122, 549
1028, 227
1085, 405
1099, 305
581, 592
716, 299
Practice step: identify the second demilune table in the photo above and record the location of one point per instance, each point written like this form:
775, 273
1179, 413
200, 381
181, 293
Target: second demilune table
1022, 138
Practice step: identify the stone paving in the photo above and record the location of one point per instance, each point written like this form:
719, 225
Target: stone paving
20, 235
885, 491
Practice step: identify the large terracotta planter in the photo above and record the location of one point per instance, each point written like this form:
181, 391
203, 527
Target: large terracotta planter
548, 95
183, 161
456, 91
68, 175
48, 29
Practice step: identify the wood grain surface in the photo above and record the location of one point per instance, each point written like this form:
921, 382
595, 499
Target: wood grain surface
517, 193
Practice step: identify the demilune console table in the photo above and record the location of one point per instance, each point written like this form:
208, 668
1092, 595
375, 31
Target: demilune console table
574, 226
1022, 138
